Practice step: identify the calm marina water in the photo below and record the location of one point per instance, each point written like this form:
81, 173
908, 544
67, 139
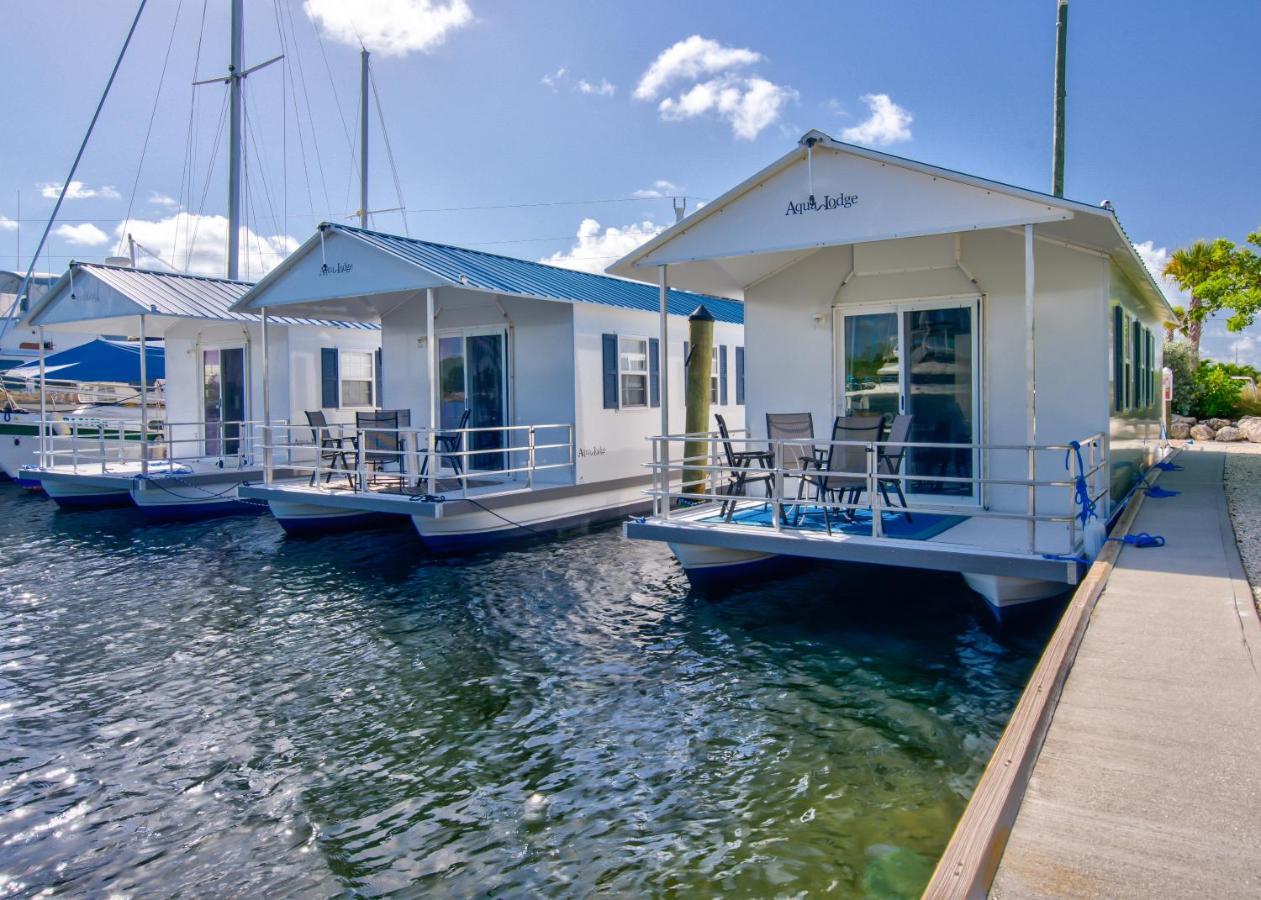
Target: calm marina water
212, 709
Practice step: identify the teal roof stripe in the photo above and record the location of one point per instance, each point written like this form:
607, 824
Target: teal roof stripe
504, 274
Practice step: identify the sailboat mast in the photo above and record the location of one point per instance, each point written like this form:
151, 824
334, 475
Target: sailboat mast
363, 137
234, 142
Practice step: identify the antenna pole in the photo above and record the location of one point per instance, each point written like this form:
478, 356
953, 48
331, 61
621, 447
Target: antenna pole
1057, 140
234, 142
363, 137
131, 249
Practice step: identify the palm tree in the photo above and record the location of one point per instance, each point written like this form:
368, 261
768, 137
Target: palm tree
1178, 324
1190, 267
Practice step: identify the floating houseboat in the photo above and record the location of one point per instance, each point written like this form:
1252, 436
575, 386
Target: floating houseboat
192, 461
517, 397
943, 372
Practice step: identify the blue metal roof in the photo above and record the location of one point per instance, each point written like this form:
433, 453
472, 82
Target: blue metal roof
506, 275
99, 361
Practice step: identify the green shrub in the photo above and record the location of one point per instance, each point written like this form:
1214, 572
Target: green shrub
1178, 358
1249, 402
1217, 394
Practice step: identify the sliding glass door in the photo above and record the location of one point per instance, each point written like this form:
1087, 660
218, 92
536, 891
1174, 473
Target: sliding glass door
918, 359
473, 377
223, 399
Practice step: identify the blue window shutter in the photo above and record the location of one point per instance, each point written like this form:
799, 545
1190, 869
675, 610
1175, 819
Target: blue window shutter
722, 374
328, 378
1118, 358
739, 376
376, 394
609, 342
654, 372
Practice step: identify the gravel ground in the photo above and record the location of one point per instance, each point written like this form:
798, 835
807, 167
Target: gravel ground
1243, 496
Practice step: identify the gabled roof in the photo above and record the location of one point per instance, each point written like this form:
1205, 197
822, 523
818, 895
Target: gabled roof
1070, 221
170, 294
477, 270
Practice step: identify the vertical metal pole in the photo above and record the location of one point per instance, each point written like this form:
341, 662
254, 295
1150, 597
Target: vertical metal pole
131, 249
663, 364
267, 441
43, 406
432, 367
363, 138
234, 142
144, 403
1057, 140
1031, 369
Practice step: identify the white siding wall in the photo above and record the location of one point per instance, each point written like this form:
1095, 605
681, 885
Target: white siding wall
613, 442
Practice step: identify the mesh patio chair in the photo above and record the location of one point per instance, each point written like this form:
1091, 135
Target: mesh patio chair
792, 427
740, 469
891, 458
849, 459
383, 444
334, 451
448, 445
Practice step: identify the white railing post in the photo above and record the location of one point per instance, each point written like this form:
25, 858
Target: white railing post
656, 476
100, 445
74, 447
529, 474
431, 443
1031, 498
360, 480
267, 454
873, 491
665, 478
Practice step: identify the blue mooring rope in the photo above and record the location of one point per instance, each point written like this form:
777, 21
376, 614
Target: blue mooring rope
1081, 490
1167, 467
1160, 493
1140, 540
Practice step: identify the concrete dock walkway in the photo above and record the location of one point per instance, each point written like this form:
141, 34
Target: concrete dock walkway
1149, 781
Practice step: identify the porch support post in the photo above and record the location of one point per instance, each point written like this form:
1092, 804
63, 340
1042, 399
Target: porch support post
663, 363
267, 439
432, 365
43, 406
144, 402
1031, 385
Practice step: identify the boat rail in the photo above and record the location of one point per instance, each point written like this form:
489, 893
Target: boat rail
89, 444
361, 456
682, 483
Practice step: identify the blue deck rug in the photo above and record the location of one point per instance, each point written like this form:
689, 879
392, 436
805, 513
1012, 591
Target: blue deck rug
923, 526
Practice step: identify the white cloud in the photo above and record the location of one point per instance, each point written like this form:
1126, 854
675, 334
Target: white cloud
748, 103
171, 238
162, 200
887, 124
1156, 258
688, 60
604, 89
660, 188
7, 224
83, 235
389, 27
51, 190
597, 248
554, 79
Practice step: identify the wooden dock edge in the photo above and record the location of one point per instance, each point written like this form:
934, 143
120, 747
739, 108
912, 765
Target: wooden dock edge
968, 865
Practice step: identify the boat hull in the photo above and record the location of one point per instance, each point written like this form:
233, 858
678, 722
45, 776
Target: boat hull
1004, 591
85, 493
312, 520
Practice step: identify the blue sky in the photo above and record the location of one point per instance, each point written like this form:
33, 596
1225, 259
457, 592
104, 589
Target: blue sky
517, 126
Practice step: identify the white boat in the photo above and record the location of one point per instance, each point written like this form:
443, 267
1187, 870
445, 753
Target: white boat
542, 385
1014, 327
207, 443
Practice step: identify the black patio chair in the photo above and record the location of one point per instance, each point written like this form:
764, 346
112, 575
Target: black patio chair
740, 469
849, 459
891, 458
333, 450
448, 445
383, 442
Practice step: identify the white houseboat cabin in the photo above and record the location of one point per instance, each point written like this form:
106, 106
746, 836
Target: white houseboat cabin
989, 326
542, 384
206, 444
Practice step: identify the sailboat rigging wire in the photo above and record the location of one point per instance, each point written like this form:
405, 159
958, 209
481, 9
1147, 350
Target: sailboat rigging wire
306, 96
144, 147
26, 280
389, 152
290, 94
261, 166
186, 175
214, 154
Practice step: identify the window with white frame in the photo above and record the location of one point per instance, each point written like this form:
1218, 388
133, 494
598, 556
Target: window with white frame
356, 370
715, 376
632, 370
